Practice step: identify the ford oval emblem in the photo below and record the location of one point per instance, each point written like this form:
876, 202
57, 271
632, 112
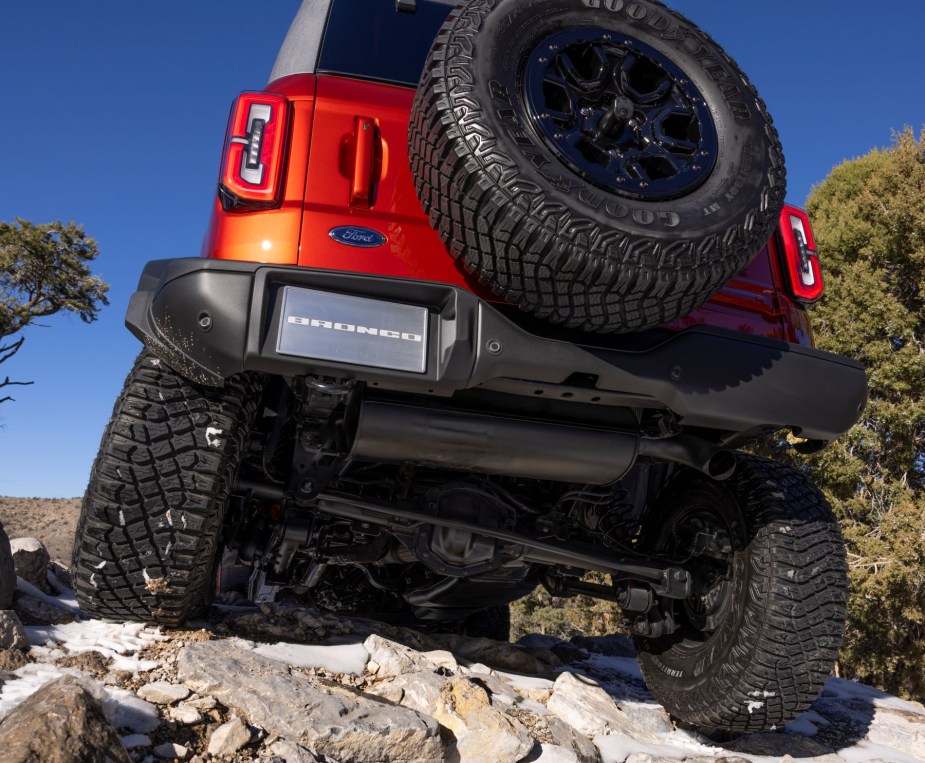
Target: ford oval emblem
352, 236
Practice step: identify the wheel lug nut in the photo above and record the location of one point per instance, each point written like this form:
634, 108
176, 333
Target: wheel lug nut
586, 111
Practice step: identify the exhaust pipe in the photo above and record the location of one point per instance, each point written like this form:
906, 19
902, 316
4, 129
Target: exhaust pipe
698, 454
479, 442
492, 444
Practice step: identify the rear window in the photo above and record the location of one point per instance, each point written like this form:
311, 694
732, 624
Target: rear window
370, 39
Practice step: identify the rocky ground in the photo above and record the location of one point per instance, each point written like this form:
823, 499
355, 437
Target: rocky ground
296, 685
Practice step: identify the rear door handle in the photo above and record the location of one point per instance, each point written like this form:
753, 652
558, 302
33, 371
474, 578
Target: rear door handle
361, 185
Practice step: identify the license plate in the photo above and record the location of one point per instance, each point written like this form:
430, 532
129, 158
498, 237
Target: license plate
346, 329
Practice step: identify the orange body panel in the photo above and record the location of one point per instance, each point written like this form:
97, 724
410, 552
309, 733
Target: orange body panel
414, 249
271, 235
339, 176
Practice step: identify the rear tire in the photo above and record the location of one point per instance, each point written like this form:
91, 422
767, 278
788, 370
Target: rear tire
756, 646
147, 538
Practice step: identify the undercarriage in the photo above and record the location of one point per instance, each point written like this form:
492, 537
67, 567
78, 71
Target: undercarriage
312, 510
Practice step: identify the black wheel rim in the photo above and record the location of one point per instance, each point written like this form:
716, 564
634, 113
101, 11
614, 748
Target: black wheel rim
620, 114
712, 570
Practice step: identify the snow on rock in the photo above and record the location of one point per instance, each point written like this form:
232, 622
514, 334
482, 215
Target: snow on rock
65, 601
349, 659
123, 709
62, 722
387, 693
120, 641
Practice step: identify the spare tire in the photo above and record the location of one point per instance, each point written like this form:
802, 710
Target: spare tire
602, 164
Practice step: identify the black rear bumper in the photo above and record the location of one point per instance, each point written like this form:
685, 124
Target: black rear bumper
211, 319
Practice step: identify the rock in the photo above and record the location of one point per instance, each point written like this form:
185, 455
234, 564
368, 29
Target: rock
288, 623
569, 652
332, 721
171, 751
185, 714
30, 560
90, 661
898, 728
615, 645
163, 693
550, 753
417, 691
553, 732
228, 738
442, 659
482, 731
34, 611
499, 654
12, 635
291, 752
564, 650
62, 722
389, 658
62, 574
650, 717
388, 691
565, 737
12, 659
7, 571
588, 709
202, 704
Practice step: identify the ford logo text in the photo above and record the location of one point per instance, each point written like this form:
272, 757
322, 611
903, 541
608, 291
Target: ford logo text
352, 236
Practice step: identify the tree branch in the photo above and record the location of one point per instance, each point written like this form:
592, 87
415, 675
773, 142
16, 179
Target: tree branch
9, 350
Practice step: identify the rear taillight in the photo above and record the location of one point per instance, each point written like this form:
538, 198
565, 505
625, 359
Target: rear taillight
801, 265
252, 161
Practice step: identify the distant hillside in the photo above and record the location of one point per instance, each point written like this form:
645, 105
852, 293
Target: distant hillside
53, 520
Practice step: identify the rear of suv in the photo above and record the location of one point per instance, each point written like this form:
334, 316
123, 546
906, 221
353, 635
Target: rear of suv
492, 295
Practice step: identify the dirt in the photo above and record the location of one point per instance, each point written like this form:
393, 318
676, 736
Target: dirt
52, 520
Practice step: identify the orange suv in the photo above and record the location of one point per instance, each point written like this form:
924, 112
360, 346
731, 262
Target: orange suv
492, 295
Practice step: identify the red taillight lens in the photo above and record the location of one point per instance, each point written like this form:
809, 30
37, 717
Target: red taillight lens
801, 264
252, 162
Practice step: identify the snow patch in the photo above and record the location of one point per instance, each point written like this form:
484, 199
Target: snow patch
136, 740
339, 658
213, 438
65, 601
753, 705
123, 709
119, 641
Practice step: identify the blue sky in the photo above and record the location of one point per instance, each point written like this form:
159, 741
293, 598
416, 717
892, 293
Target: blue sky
113, 113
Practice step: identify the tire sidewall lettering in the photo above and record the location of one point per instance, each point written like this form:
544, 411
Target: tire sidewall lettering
710, 63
